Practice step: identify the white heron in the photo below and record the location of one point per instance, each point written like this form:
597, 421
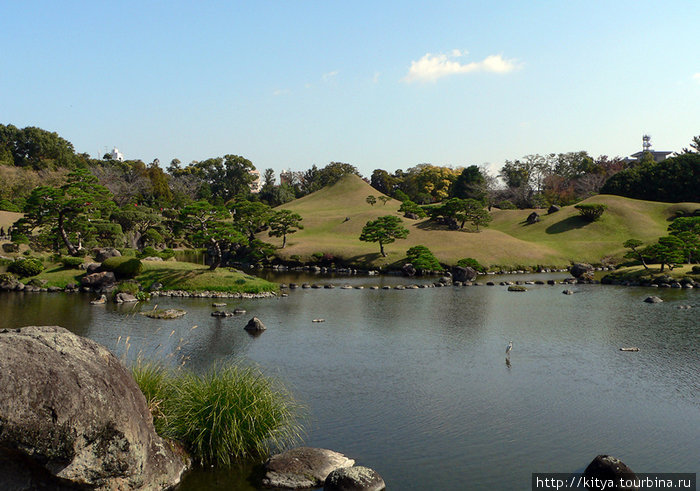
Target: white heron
509, 348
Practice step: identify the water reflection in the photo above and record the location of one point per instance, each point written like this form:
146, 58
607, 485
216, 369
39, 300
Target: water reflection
411, 382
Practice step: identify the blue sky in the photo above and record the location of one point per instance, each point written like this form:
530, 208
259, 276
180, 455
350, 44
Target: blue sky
387, 85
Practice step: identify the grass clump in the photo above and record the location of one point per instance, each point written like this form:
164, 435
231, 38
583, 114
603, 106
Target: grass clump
225, 414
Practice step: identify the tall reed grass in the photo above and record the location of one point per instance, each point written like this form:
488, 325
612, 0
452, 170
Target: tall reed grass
226, 414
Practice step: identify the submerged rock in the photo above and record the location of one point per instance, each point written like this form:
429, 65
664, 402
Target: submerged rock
164, 313
653, 299
356, 478
303, 467
73, 418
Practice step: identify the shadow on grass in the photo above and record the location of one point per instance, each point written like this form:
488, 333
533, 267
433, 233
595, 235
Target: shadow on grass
431, 225
366, 259
170, 277
567, 224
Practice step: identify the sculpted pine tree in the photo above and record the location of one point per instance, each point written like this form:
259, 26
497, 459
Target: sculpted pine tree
384, 230
284, 222
68, 209
208, 226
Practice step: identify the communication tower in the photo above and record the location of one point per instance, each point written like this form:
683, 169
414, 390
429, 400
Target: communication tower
646, 143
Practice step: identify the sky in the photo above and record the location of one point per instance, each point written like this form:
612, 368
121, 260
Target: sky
377, 84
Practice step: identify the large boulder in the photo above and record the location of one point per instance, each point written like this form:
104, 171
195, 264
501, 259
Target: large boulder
533, 217
553, 209
356, 478
71, 410
409, 269
103, 253
99, 280
303, 467
605, 468
581, 270
463, 273
9, 282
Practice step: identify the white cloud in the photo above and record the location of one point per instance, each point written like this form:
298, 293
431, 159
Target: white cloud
375, 78
327, 76
432, 67
696, 77
279, 92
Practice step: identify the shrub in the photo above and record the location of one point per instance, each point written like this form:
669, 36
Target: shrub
696, 270
7, 205
123, 267
70, 262
128, 252
423, 259
227, 413
152, 237
7, 277
591, 212
470, 262
411, 207
506, 205
24, 267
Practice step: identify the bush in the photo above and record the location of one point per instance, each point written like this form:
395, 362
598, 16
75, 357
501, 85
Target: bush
423, 259
506, 205
128, 252
25, 267
7, 205
470, 262
696, 270
227, 413
70, 262
411, 207
591, 212
123, 267
152, 237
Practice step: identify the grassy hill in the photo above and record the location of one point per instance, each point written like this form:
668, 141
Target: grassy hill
334, 217
7, 218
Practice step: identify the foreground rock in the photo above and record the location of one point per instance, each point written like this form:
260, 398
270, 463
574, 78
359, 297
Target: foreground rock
354, 479
653, 299
605, 468
303, 467
72, 416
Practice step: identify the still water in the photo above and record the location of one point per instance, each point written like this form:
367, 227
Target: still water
415, 383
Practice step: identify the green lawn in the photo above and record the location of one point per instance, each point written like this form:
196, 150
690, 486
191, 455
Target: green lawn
174, 276
333, 219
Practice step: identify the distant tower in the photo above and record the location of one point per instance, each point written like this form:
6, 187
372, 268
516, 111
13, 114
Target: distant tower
646, 143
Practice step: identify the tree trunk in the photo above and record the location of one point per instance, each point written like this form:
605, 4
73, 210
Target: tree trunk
381, 249
284, 240
61, 229
216, 259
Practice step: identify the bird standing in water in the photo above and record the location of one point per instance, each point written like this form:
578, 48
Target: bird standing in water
509, 348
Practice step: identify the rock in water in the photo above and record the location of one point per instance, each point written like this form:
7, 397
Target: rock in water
653, 299
463, 273
303, 467
255, 325
582, 270
69, 408
357, 478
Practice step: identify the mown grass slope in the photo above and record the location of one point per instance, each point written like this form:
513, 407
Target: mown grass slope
334, 216
7, 218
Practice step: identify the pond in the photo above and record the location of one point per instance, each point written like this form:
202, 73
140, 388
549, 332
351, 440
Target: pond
416, 385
